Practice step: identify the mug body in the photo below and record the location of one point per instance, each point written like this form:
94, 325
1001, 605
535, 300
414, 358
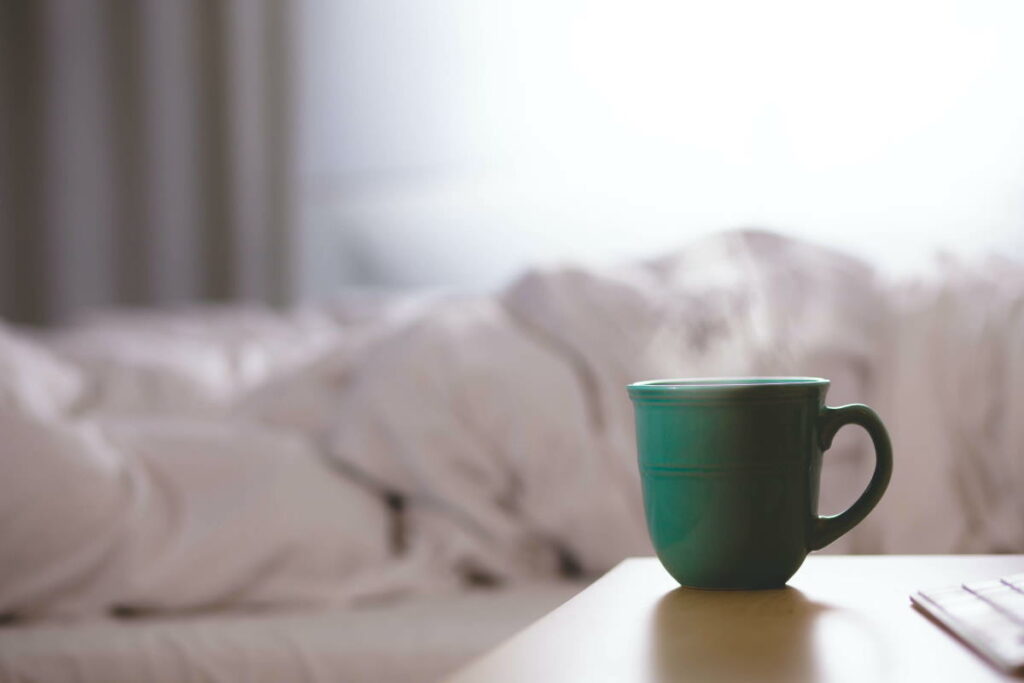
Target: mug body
730, 470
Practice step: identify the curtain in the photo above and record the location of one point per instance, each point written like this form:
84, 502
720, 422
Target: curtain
145, 154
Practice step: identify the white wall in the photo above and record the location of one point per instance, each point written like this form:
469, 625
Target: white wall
453, 141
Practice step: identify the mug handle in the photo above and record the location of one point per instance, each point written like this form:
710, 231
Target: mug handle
824, 530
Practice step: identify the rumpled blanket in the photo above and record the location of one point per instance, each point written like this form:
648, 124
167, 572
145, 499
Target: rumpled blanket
364, 447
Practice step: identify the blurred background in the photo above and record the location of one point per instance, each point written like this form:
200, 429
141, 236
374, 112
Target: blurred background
159, 153
181, 432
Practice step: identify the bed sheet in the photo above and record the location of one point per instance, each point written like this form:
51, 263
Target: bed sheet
412, 640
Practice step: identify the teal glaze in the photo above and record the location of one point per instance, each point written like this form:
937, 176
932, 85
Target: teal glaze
730, 469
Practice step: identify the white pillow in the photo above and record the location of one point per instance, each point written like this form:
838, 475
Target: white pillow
65, 495
176, 515
194, 362
235, 514
33, 380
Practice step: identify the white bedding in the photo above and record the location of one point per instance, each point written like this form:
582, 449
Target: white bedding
419, 639
176, 514
247, 458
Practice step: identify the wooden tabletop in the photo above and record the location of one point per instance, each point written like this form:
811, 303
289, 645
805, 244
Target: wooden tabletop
840, 619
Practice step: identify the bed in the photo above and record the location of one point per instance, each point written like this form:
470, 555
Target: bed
421, 639
324, 493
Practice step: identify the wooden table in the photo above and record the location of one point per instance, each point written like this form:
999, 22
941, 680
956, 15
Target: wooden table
840, 619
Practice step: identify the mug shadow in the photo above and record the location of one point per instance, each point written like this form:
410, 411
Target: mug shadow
764, 635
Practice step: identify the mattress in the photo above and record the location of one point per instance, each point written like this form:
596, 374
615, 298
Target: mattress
419, 639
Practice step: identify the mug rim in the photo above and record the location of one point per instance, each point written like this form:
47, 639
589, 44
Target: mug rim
704, 386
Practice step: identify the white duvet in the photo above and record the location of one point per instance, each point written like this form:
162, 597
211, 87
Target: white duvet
244, 458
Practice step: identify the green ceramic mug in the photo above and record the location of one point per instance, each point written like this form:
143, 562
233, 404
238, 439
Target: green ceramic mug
730, 470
